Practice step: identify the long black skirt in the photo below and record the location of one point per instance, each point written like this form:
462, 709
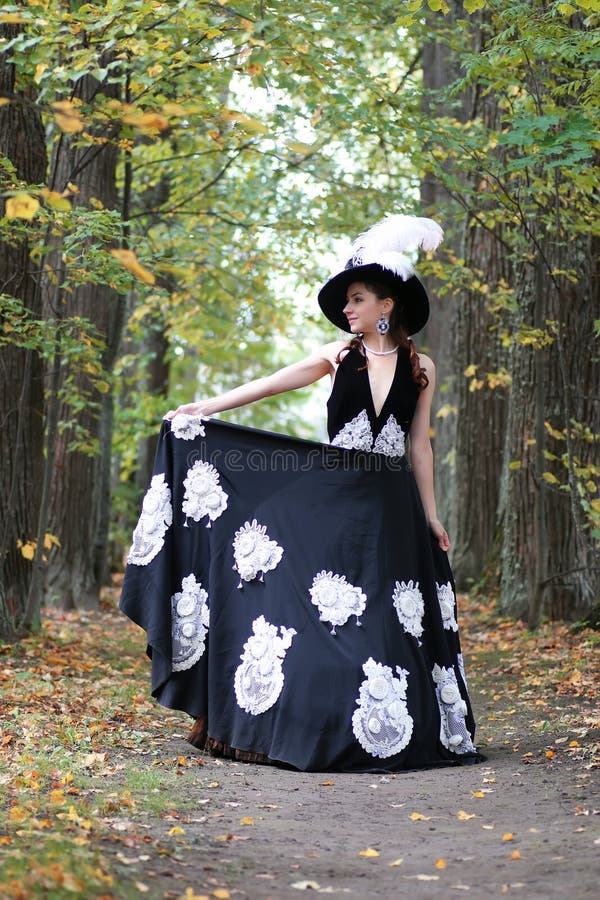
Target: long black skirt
293, 597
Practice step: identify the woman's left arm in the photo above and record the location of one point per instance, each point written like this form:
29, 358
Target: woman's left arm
421, 454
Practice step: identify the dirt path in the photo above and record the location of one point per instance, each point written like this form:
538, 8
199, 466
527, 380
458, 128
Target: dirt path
103, 798
517, 825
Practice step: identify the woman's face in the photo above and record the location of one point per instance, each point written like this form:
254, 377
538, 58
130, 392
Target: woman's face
363, 308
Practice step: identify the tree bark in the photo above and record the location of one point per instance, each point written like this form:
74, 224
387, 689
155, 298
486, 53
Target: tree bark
81, 481
22, 141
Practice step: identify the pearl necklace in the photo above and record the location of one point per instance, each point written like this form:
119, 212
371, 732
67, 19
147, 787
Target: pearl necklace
379, 352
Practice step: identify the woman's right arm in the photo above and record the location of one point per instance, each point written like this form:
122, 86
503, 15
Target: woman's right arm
300, 374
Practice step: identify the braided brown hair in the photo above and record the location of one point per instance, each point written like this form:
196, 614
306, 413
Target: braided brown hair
398, 333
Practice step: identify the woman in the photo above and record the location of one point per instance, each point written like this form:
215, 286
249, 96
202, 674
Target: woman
340, 601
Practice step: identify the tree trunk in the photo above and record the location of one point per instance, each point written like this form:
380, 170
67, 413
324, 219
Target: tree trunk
469, 439
81, 483
22, 141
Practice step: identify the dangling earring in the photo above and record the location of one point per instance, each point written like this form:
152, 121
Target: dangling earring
383, 326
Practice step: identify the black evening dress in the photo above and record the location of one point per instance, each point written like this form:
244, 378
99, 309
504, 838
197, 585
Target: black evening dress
292, 595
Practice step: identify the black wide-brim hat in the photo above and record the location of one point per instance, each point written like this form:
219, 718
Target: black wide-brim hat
410, 294
379, 255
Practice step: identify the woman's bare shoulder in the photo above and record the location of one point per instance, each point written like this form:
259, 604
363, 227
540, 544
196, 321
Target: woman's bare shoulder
426, 362
330, 351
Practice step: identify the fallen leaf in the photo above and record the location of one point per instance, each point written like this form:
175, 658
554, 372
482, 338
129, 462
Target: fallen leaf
549, 754
327, 783
479, 794
221, 894
306, 886
397, 862
369, 853
440, 863
247, 820
463, 816
419, 817
141, 887
177, 829
508, 836
515, 855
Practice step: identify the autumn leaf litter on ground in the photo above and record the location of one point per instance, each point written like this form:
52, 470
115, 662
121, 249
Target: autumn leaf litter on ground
106, 800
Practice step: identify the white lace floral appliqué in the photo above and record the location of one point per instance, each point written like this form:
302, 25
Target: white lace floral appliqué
254, 552
410, 607
189, 623
382, 724
453, 709
203, 495
356, 434
259, 679
391, 439
447, 602
188, 427
155, 518
337, 599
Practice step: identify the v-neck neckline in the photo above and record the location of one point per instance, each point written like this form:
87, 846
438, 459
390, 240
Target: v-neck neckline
387, 396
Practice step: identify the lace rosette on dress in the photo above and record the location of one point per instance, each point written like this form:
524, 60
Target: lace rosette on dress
186, 428
254, 552
189, 623
410, 606
156, 517
259, 678
391, 439
336, 599
447, 603
203, 495
453, 709
356, 434
382, 724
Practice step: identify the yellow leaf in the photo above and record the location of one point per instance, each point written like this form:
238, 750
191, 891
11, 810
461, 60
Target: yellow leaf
4, 101
327, 783
515, 855
470, 371
70, 883
177, 829
221, 894
145, 120
299, 147
28, 550
550, 478
508, 836
39, 71
419, 817
397, 862
369, 853
11, 18
56, 200
190, 895
440, 863
67, 116
463, 816
22, 206
155, 70
247, 820
573, 743
549, 754
479, 794
129, 261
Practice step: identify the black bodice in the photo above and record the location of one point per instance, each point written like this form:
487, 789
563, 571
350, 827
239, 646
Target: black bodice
351, 398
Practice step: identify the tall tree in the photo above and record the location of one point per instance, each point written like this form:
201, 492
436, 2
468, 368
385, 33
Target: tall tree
23, 149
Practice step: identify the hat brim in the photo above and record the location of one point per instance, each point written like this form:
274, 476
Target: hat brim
411, 293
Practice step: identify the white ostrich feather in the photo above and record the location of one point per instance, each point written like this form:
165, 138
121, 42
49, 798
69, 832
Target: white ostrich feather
396, 234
